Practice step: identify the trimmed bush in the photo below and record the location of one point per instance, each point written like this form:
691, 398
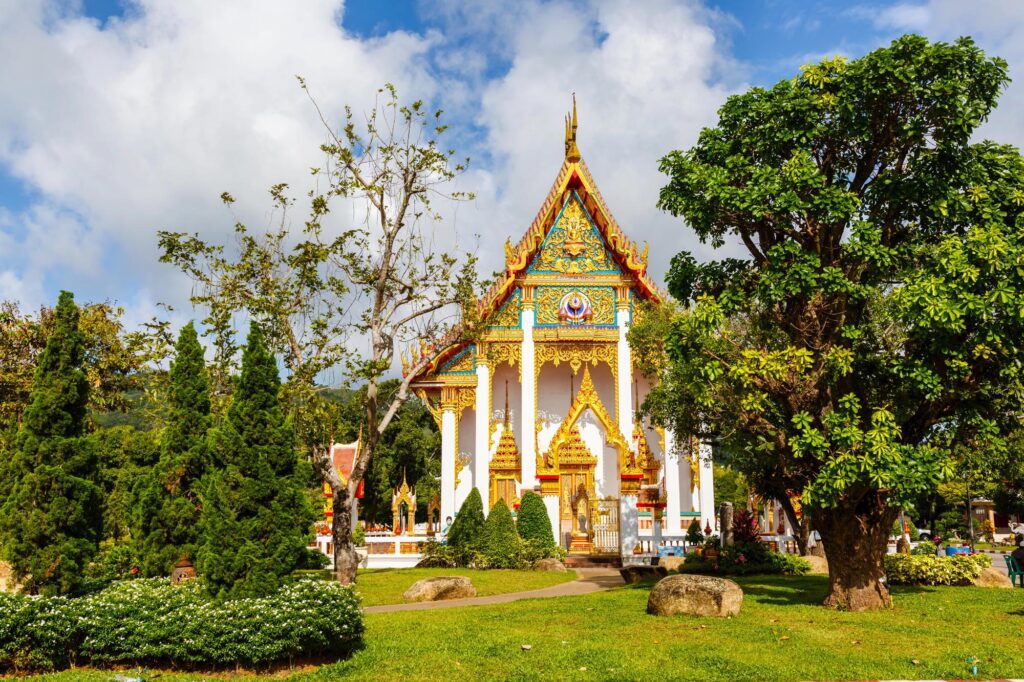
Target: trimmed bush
747, 559
469, 522
919, 569
150, 622
499, 541
694, 534
533, 522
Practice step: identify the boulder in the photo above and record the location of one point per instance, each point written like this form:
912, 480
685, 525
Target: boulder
696, 595
642, 572
440, 588
553, 565
818, 563
993, 577
671, 563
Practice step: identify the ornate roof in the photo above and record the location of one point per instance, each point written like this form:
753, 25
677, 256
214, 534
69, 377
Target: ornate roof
574, 202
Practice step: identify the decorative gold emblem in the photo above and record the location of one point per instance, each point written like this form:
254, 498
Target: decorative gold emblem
593, 305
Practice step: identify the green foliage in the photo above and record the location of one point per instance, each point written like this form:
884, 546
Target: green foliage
532, 521
920, 569
151, 622
468, 525
499, 541
694, 533
747, 558
522, 555
255, 517
730, 486
167, 511
925, 548
875, 323
51, 521
359, 535
745, 527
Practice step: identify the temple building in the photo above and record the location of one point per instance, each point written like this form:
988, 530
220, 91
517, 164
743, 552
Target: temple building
546, 398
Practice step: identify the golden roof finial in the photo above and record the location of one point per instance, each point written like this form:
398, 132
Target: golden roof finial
506, 404
572, 152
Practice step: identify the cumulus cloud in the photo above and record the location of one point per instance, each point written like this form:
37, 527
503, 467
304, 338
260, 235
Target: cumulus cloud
138, 123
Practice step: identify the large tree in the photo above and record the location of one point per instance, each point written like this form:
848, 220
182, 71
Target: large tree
255, 519
875, 322
51, 520
351, 295
167, 510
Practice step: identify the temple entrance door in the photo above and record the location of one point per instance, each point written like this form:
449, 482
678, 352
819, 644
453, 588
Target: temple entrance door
570, 481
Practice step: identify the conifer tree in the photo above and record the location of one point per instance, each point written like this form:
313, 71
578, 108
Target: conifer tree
168, 500
469, 522
533, 522
255, 518
52, 520
499, 541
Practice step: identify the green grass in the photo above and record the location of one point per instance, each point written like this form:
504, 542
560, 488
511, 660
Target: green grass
386, 585
781, 634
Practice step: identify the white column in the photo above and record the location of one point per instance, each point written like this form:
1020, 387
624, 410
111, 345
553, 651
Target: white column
448, 454
629, 527
482, 456
706, 491
625, 373
551, 504
528, 406
673, 522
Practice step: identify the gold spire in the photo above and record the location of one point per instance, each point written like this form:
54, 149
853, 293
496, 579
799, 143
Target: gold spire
572, 152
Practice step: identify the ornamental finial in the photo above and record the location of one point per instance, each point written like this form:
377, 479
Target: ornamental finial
572, 152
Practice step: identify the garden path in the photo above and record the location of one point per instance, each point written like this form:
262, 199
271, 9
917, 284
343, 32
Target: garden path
587, 580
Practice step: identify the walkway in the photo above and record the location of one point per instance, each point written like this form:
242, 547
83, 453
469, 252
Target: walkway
588, 580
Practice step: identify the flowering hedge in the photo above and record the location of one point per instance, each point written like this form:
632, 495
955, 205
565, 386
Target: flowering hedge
919, 569
150, 622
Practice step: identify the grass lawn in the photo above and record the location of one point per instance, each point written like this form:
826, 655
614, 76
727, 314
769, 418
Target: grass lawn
781, 634
386, 585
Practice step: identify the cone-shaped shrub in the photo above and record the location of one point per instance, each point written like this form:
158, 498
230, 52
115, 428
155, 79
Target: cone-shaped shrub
500, 541
694, 535
256, 518
469, 522
51, 521
168, 510
534, 522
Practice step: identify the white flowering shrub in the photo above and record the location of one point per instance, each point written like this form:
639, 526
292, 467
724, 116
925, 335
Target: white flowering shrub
150, 622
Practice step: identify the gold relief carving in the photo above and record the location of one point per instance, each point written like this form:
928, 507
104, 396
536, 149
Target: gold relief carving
527, 300
645, 459
435, 410
499, 353
568, 432
694, 464
574, 247
576, 354
541, 334
462, 363
602, 301
494, 335
508, 315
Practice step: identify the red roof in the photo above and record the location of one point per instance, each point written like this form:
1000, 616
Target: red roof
344, 457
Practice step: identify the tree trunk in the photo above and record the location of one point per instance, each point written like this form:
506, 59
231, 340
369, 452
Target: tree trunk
345, 559
801, 527
855, 539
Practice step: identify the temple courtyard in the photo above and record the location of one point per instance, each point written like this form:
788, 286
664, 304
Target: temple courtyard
781, 633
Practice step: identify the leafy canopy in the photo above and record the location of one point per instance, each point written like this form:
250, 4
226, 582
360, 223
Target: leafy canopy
876, 319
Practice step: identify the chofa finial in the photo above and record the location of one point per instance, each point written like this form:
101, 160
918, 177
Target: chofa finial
572, 152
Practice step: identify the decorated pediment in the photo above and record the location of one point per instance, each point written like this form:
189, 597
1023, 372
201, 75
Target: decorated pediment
574, 246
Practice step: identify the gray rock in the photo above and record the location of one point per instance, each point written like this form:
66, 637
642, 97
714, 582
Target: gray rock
553, 565
818, 563
993, 577
638, 574
696, 595
440, 588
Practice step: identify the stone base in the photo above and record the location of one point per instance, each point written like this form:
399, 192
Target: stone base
581, 544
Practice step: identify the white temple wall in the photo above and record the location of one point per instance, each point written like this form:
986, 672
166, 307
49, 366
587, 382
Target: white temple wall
553, 400
467, 436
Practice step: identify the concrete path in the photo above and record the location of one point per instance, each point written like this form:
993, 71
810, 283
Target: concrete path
588, 580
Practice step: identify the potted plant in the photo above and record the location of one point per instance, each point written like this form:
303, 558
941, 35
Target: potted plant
712, 547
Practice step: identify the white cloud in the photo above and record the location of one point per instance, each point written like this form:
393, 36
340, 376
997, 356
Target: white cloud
139, 123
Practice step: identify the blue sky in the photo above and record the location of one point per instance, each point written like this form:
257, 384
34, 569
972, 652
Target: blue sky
120, 118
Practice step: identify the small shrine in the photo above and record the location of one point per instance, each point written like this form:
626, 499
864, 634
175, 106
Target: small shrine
403, 509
